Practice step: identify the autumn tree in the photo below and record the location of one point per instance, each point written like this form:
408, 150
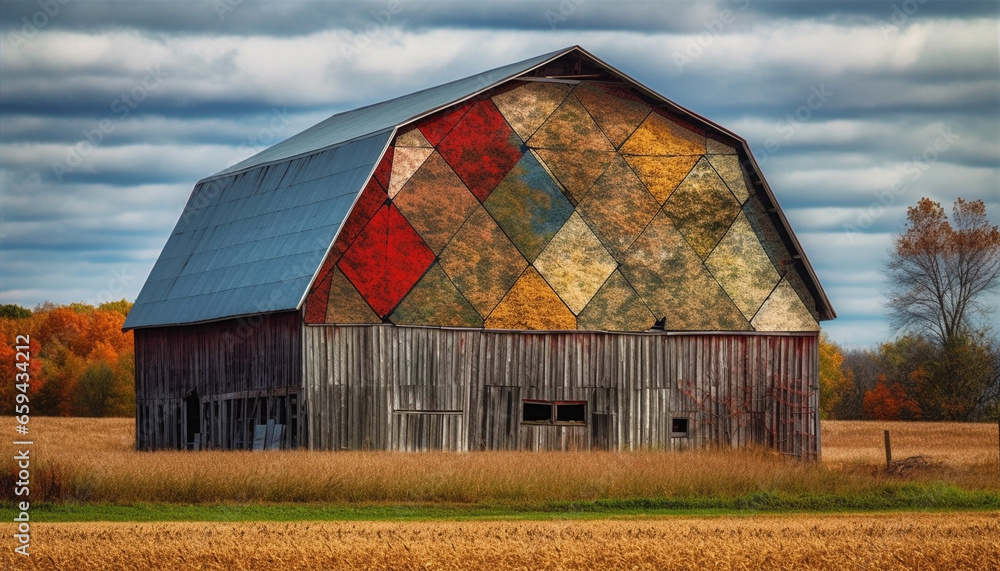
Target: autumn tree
835, 381
940, 271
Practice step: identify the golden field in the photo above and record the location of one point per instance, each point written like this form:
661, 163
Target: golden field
93, 460
883, 542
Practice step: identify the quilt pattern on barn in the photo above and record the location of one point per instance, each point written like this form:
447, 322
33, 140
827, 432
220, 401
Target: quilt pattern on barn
556, 206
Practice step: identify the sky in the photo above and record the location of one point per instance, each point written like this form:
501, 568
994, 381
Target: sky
110, 111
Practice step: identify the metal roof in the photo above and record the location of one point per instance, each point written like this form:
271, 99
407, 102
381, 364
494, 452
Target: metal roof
253, 236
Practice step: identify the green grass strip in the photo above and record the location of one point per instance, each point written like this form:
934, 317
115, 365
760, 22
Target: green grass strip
908, 497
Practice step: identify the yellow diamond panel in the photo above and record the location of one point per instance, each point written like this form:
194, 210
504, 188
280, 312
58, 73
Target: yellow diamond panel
531, 304
784, 311
436, 301
728, 167
741, 266
570, 127
618, 207
672, 281
616, 307
617, 117
660, 136
702, 208
345, 304
528, 105
661, 175
482, 262
423, 198
575, 263
405, 162
575, 170
411, 137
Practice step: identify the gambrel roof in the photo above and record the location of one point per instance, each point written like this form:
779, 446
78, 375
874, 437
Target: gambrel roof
253, 238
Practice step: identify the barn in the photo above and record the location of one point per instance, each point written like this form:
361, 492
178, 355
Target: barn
546, 255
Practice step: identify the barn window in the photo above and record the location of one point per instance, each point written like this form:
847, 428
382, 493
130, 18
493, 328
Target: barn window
553, 412
679, 427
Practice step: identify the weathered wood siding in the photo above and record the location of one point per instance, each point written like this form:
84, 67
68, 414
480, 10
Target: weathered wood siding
241, 372
409, 388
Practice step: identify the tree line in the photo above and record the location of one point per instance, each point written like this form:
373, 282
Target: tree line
81, 363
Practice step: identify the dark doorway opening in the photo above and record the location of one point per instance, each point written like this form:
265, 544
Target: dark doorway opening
192, 406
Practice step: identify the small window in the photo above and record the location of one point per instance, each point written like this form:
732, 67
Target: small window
537, 412
571, 412
679, 427
554, 412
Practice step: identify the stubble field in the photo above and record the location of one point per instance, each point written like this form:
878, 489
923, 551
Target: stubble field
90, 463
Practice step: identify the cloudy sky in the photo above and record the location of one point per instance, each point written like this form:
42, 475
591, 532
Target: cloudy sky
110, 111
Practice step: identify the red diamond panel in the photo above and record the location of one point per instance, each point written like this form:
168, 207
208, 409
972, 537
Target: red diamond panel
372, 198
435, 127
482, 148
317, 300
384, 169
385, 261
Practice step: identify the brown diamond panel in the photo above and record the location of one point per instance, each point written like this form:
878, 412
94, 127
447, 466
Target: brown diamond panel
576, 171
529, 104
570, 127
742, 267
660, 136
411, 137
575, 263
531, 304
618, 118
405, 162
784, 311
482, 148
482, 262
661, 175
616, 307
529, 206
714, 147
435, 202
345, 304
436, 301
702, 208
728, 167
672, 281
618, 207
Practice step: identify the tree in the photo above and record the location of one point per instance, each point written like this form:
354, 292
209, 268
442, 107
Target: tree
13, 311
835, 382
939, 271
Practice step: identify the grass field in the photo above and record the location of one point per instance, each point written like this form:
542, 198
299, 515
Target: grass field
92, 461
885, 542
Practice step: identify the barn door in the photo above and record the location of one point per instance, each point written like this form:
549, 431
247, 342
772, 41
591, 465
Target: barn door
500, 414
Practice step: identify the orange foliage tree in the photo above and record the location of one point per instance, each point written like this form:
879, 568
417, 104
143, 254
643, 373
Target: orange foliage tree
82, 362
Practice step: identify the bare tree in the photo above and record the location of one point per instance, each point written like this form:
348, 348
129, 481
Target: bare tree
939, 271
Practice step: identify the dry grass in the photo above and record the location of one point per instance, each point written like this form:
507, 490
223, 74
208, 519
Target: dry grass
92, 460
910, 541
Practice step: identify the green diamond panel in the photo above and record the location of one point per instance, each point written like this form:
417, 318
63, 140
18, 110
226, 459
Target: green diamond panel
616, 307
576, 171
436, 301
529, 206
575, 263
742, 268
702, 208
673, 282
482, 262
728, 167
345, 304
784, 311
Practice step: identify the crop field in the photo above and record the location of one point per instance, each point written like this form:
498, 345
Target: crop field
886, 541
559, 510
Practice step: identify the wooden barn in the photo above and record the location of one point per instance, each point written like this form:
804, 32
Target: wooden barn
547, 255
